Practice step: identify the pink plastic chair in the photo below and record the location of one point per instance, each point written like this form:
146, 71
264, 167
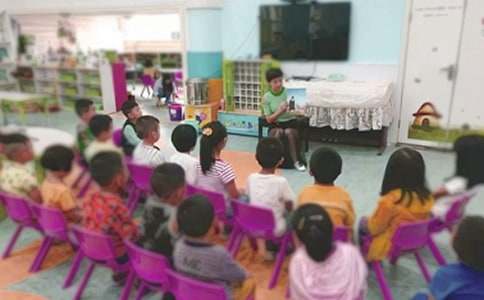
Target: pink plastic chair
217, 200
341, 234
408, 238
118, 137
256, 222
55, 228
18, 210
148, 267
140, 176
148, 82
186, 288
99, 249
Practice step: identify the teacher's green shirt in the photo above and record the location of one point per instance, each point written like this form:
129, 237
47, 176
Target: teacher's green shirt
271, 102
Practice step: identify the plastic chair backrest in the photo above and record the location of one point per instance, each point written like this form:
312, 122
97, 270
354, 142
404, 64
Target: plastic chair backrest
18, 209
118, 137
96, 246
217, 199
51, 220
150, 267
255, 220
411, 236
141, 175
186, 288
456, 211
341, 234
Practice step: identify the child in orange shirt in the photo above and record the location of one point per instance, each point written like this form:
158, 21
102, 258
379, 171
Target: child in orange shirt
325, 166
57, 161
405, 198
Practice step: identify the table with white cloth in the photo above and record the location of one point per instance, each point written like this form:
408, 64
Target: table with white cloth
348, 105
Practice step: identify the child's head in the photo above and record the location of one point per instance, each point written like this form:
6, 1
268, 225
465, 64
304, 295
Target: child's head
157, 74
131, 110
85, 109
184, 138
269, 153
325, 165
195, 216
213, 140
470, 159
101, 127
468, 242
18, 148
314, 229
274, 78
57, 159
108, 171
131, 97
148, 129
168, 183
406, 171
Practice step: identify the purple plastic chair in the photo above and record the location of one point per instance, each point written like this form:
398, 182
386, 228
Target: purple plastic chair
18, 210
186, 288
408, 238
341, 234
256, 222
118, 137
453, 216
148, 82
150, 268
55, 228
99, 249
140, 176
217, 200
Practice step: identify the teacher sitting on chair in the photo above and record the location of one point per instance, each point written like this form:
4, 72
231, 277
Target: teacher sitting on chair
284, 124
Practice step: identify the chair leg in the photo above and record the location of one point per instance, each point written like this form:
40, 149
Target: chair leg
41, 254
436, 252
279, 261
13, 240
133, 199
422, 266
233, 237
141, 291
84, 281
237, 243
382, 282
128, 286
76, 263
253, 244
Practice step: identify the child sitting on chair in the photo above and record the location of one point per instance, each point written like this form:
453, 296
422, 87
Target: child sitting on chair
104, 211
159, 230
130, 139
325, 166
85, 110
18, 176
184, 139
101, 127
271, 191
463, 280
213, 173
405, 198
195, 255
146, 153
57, 161
322, 268
469, 174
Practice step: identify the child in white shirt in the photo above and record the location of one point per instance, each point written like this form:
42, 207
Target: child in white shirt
184, 139
146, 153
271, 191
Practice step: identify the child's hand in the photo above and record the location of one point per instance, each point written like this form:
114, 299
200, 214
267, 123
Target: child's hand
283, 107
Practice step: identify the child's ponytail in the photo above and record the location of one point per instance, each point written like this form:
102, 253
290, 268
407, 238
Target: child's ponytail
212, 135
314, 229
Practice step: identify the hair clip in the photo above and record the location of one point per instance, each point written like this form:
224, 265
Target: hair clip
207, 131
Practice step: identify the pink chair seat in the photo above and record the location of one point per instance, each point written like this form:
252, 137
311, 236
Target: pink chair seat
186, 288
217, 200
118, 137
141, 183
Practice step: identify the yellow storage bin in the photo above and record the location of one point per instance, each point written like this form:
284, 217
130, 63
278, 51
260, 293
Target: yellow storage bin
203, 114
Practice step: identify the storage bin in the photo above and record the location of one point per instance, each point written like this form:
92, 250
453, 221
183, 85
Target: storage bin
175, 111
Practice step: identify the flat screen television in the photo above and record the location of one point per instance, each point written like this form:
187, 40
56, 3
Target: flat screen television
315, 31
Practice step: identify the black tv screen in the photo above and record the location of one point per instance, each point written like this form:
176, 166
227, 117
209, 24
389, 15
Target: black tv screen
316, 31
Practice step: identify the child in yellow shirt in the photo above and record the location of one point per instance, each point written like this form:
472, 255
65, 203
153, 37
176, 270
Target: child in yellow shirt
57, 161
405, 198
325, 166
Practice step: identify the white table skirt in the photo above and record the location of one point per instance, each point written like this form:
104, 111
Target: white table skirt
43, 137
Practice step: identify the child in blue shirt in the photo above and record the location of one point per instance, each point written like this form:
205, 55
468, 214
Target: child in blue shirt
463, 280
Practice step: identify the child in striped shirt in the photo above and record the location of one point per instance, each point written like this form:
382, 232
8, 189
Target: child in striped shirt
146, 153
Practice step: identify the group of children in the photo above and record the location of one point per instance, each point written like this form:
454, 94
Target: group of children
181, 228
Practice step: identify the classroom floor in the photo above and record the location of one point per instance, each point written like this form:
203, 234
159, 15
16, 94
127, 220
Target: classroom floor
362, 175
